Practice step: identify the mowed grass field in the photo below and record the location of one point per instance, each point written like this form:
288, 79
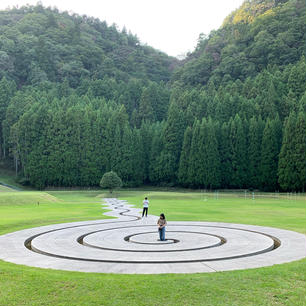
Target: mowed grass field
277, 285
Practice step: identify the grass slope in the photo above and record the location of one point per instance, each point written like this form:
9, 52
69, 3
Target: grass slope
277, 285
27, 209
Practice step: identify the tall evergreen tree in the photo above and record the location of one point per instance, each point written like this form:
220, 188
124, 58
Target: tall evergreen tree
210, 163
146, 111
254, 151
224, 147
287, 171
297, 78
172, 140
126, 155
7, 90
155, 167
268, 100
224, 108
184, 158
238, 153
146, 134
300, 159
194, 156
292, 164
269, 155
139, 160
302, 104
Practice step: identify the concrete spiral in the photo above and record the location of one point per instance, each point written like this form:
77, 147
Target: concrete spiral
129, 244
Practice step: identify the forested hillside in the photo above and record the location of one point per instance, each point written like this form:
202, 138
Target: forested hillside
78, 98
258, 35
40, 44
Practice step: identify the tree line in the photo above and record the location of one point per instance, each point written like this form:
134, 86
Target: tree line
72, 139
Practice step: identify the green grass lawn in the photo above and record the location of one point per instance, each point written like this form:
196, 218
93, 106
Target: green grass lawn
277, 285
193, 206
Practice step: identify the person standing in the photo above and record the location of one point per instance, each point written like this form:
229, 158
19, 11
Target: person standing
162, 227
145, 207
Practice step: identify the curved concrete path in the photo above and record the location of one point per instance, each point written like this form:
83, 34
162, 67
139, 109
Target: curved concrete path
130, 245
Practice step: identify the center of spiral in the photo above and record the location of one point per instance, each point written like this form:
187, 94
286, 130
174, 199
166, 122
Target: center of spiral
149, 238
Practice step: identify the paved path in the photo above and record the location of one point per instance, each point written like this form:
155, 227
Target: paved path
129, 244
10, 186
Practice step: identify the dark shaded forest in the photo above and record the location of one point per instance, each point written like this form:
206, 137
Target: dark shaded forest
79, 97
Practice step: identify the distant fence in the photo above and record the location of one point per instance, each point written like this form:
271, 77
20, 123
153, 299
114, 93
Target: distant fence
247, 194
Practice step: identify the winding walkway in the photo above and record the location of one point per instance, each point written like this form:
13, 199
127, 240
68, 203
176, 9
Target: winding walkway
129, 245
10, 186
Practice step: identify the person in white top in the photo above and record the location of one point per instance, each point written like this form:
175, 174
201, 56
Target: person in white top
145, 207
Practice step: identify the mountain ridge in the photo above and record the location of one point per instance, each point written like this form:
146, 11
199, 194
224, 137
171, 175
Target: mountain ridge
44, 44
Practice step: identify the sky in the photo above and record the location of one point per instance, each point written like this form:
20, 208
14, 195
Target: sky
171, 26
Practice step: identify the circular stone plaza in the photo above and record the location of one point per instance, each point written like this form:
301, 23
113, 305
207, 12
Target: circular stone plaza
130, 245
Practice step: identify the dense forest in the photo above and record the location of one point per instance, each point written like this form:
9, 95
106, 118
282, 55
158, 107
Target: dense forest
79, 97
